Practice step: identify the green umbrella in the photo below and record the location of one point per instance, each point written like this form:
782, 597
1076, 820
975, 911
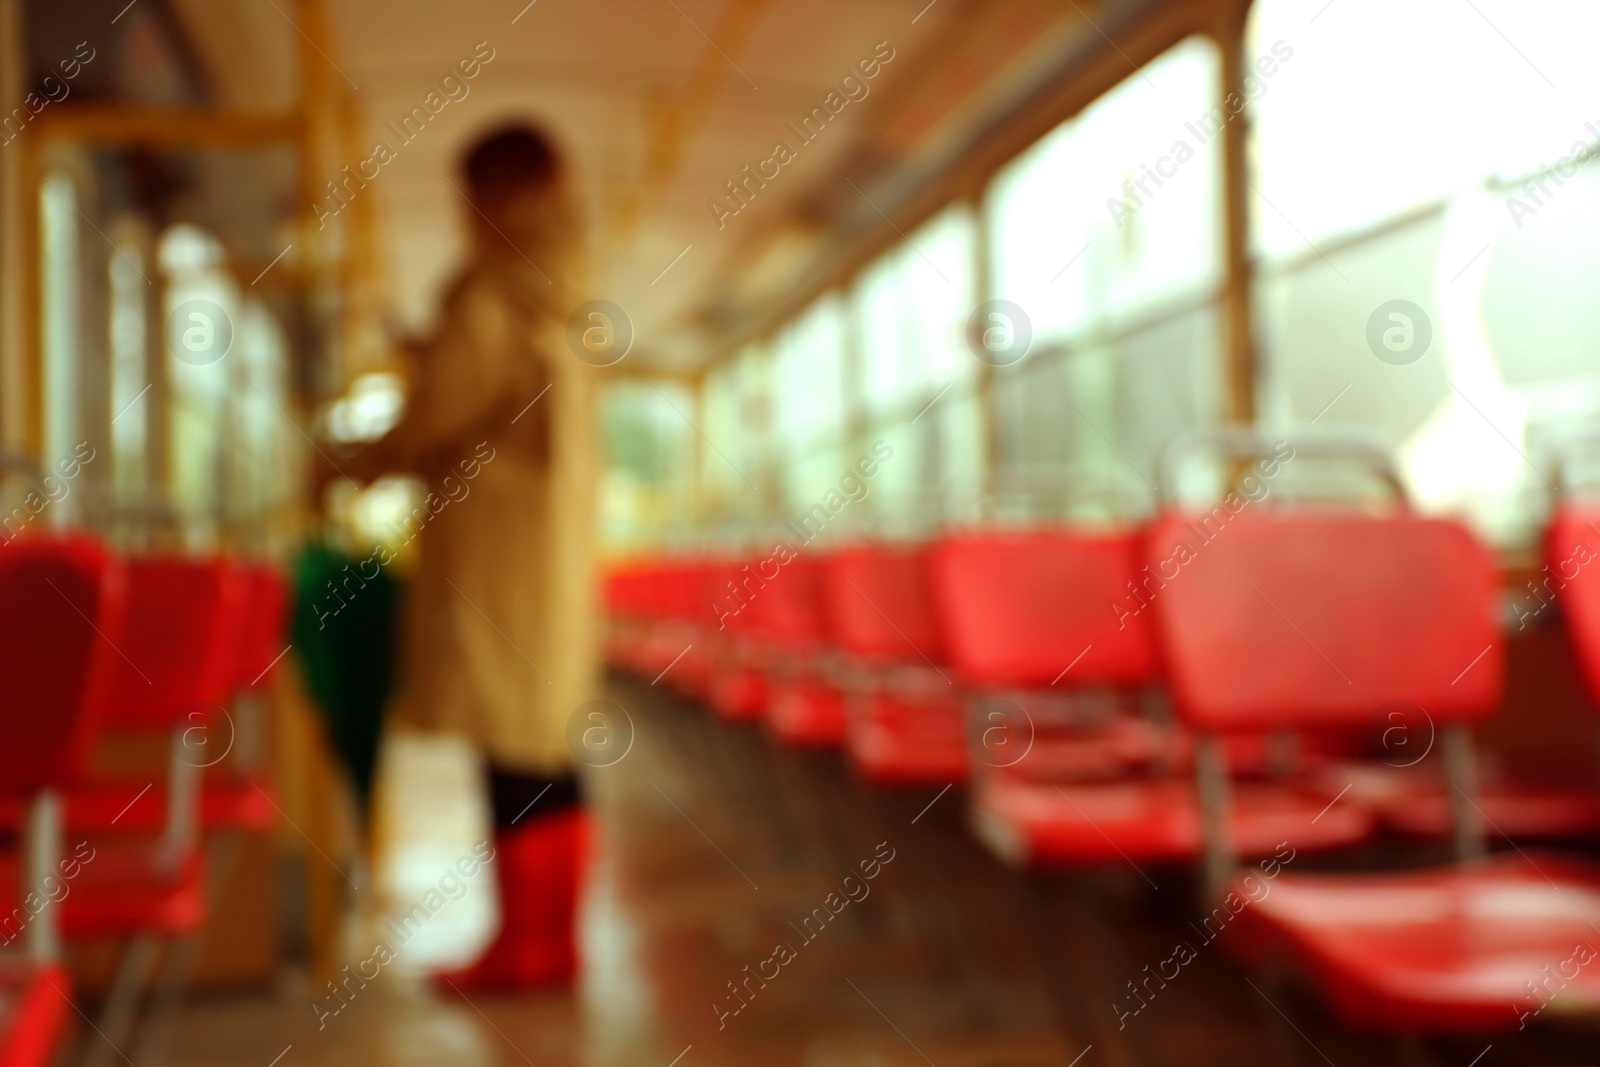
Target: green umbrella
344, 632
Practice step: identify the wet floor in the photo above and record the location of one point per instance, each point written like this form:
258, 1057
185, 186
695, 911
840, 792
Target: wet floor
730, 920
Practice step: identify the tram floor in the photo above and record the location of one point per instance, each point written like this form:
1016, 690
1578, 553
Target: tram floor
716, 846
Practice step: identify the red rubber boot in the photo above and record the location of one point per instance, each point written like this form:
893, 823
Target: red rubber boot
540, 867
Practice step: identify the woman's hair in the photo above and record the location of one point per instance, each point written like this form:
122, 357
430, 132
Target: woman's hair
508, 160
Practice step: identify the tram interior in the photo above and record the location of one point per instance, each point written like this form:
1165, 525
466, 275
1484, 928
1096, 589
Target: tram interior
1055, 532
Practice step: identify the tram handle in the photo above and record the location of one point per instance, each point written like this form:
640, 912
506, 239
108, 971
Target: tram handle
1244, 443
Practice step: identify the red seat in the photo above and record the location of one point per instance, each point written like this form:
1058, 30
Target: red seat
1317, 620
263, 638
1083, 780
65, 600
1413, 801
1572, 552
806, 711
738, 692
136, 805
61, 609
34, 1012
1038, 823
1017, 609
908, 736
737, 684
1469, 948
176, 668
124, 887
788, 627
140, 805
907, 725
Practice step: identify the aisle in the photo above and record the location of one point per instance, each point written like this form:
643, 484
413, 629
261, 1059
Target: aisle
718, 847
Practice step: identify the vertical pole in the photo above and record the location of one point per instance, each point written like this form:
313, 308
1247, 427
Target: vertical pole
16, 271
155, 491
1240, 369
855, 425
1461, 774
182, 832
1211, 780
31, 292
43, 846
983, 291
698, 511
326, 887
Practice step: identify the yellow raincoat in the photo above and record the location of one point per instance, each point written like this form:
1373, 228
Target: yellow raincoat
499, 638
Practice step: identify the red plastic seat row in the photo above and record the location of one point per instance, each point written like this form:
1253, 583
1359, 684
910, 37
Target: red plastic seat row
1319, 620
205, 630
188, 636
905, 721
657, 611
1059, 625
59, 598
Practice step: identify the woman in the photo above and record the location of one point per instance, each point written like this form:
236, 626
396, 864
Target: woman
499, 621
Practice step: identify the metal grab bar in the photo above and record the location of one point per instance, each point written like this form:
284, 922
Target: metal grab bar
1565, 449
1238, 442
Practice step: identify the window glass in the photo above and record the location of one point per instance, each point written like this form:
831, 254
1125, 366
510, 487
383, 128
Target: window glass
60, 237
647, 429
912, 307
1425, 226
1107, 233
809, 356
262, 476
1441, 96
130, 378
202, 321
1116, 210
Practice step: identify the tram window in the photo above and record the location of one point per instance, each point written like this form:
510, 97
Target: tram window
647, 446
909, 311
1118, 209
1107, 233
1441, 99
808, 360
201, 323
61, 239
738, 465
911, 308
1538, 300
129, 374
262, 474
720, 406
1447, 174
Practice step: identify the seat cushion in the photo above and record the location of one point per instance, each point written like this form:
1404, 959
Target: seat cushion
33, 1012
226, 804
1473, 947
1414, 801
738, 693
806, 712
1119, 747
114, 887
1042, 823
899, 740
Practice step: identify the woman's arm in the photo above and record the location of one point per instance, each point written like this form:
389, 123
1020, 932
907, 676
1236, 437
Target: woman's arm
469, 387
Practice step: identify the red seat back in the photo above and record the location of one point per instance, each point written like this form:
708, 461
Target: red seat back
185, 620
1572, 576
61, 620
264, 624
877, 603
682, 588
787, 606
1017, 608
1318, 619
